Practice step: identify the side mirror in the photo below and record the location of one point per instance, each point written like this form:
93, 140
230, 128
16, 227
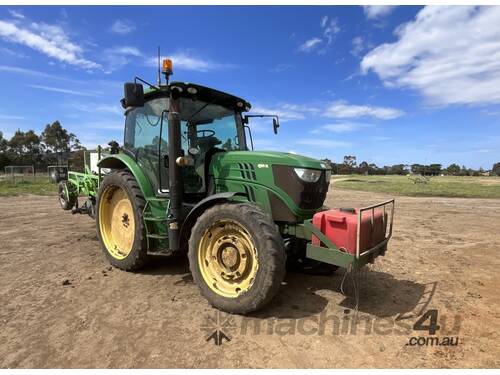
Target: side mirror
134, 94
276, 125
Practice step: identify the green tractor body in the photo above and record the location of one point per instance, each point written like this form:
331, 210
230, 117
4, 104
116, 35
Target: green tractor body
187, 180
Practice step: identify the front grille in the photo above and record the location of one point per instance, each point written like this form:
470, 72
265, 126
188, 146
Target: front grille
306, 195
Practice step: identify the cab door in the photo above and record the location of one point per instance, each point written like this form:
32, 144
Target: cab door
146, 137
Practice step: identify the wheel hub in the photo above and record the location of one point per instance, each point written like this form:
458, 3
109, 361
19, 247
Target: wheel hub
228, 258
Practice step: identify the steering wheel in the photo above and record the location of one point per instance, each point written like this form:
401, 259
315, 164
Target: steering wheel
205, 133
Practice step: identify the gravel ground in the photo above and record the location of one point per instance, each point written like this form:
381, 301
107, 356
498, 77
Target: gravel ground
62, 305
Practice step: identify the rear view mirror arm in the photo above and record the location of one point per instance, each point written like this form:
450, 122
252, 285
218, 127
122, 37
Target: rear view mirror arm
250, 134
276, 121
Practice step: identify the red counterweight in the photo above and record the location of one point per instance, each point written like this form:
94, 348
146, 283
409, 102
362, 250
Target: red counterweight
340, 226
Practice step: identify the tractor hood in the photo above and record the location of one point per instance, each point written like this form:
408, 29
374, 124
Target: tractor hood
269, 157
268, 178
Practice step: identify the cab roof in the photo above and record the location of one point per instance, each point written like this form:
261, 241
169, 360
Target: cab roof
203, 93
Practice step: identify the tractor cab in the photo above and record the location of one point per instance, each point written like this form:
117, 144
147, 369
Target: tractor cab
211, 122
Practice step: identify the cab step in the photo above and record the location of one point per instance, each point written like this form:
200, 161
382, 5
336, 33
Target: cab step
155, 218
157, 236
161, 253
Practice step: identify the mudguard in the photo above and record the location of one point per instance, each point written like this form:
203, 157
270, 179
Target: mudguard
200, 207
123, 161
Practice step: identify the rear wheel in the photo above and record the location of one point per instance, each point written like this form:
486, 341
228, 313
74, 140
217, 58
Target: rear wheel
236, 257
120, 226
67, 195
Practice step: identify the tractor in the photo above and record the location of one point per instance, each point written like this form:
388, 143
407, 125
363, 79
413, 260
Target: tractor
187, 180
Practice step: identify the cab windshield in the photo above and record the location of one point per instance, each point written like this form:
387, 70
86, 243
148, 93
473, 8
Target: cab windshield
207, 125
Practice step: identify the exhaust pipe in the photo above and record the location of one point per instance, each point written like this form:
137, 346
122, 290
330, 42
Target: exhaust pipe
174, 216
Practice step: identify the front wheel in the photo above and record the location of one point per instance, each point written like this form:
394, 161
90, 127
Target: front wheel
237, 258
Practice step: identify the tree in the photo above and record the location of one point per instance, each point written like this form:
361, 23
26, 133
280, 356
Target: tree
453, 169
350, 160
16, 147
4, 157
59, 141
348, 166
496, 169
398, 169
33, 147
434, 169
363, 168
25, 148
418, 168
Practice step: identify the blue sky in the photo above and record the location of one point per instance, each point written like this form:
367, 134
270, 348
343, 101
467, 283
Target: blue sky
387, 84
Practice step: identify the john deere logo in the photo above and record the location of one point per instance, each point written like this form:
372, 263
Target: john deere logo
218, 327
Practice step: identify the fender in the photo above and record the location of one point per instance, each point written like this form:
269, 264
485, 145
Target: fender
200, 207
123, 161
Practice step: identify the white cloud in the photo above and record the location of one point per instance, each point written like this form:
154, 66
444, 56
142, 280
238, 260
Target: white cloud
310, 45
119, 56
343, 127
286, 111
50, 40
65, 91
93, 139
122, 27
323, 22
8, 51
280, 68
35, 73
187, 61
112, 124
16, 14
451, 55
358, 45
125, 50
377, 11
96, 108
342, 109
322, 143
329, 29
11, 117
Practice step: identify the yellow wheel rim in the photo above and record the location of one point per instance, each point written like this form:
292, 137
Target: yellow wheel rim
227, 258
116, 222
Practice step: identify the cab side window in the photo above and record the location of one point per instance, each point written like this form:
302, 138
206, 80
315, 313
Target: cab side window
143, 139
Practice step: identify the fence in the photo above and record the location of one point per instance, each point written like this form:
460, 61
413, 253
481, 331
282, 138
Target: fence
19, 173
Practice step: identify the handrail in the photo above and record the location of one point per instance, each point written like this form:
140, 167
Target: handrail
387, 236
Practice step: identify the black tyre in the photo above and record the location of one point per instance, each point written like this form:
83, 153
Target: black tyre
67, 195
237, 258
297, 262
311, 267
119, 222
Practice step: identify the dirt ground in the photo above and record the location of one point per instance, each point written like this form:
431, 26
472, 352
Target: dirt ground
61, 305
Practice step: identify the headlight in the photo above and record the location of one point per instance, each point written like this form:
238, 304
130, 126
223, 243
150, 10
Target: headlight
308, 175
328, 175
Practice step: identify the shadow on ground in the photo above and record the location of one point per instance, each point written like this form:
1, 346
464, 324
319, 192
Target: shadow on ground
380, 295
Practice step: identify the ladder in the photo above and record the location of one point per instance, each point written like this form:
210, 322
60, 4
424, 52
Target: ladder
151, 220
